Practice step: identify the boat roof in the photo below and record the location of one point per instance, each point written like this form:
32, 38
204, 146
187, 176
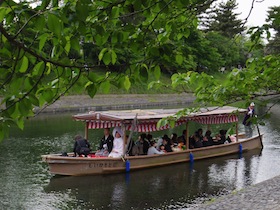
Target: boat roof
147, 118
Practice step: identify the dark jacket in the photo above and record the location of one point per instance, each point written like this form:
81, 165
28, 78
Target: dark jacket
208, 142
168, 148
246, 120
81, 147
143, 146
108, 141
130, 148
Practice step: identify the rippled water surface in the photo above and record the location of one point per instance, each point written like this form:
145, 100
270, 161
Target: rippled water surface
25, 182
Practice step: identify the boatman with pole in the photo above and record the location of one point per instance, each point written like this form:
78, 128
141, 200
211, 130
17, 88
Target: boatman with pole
247, 121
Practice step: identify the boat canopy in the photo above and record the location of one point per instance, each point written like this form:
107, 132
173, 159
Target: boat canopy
145, 120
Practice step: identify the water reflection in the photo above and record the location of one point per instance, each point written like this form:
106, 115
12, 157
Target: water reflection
156, 187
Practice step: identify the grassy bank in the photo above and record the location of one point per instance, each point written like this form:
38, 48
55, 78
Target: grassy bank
142, 87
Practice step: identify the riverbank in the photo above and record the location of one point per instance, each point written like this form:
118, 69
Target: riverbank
83, 103
262, 196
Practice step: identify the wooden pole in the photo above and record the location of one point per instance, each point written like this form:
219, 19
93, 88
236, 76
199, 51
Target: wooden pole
259, 135
124, 139
130, 134
86, 131
187, 136
236, 131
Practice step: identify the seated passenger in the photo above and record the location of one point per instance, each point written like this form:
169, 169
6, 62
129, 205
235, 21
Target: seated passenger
81, 146
191, 142
160, 141
232, 138
167, 145
197, 142
198, 138
207, 139
182, 138
142, 144
149, 138
199, 134
161, 148
174, 139
106, 144
152, 149
221, 137
118, 143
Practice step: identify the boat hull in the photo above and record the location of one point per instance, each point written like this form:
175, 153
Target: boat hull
77, 166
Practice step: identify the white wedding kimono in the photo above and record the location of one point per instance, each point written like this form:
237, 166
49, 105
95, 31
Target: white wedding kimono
118, 144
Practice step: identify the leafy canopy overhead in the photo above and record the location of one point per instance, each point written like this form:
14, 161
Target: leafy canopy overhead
44, 47
52, 46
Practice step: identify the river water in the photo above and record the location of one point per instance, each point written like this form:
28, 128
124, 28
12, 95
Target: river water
25, 182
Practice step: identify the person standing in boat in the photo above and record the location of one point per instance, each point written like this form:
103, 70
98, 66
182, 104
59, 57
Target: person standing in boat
81, 146
118, 143
247, 121
106, 144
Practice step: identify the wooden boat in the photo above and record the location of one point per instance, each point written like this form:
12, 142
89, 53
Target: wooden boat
146, 121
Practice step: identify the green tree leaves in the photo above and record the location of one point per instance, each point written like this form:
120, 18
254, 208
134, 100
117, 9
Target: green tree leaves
43, 38
3, 12
24, 65
179, 59
54, 24
107, 56
127, 83
48, 49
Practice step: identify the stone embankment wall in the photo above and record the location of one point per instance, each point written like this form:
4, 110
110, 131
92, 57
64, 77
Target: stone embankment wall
81, 103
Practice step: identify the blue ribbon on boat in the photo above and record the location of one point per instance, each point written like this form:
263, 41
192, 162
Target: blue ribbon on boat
127, 166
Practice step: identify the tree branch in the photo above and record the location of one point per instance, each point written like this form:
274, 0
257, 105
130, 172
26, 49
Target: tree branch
25, 24
36, 55
26, 94
13, 71
63, 93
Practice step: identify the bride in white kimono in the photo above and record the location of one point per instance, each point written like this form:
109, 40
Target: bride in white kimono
118, 143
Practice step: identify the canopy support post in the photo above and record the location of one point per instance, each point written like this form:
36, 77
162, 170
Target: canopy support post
86, 131
236, 131
124, 138
187, 136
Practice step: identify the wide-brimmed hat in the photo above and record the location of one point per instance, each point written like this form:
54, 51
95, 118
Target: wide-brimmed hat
252, 104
